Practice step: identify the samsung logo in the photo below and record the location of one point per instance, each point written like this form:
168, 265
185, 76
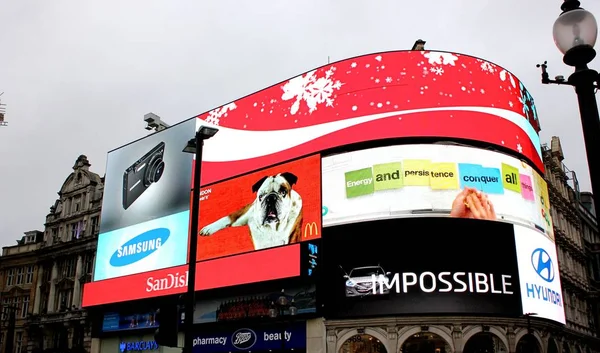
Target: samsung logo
139, 247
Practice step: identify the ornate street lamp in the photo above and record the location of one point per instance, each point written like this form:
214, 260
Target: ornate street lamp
278, 308
575, 32
194, 146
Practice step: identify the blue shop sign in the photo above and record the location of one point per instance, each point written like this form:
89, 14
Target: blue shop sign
137, 346
244, 339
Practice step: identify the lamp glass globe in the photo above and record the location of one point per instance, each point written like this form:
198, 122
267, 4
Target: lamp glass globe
574, 28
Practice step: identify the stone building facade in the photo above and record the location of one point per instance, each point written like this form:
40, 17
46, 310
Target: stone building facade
569, 215
61, 259
18, 276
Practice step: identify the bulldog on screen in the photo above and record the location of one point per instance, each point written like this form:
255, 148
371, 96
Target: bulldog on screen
275, 216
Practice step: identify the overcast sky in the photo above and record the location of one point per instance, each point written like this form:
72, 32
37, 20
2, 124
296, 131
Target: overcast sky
78, 76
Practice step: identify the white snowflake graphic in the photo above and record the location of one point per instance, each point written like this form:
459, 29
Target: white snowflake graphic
437, 70
437, 58
312, 90
376, 80
378, 58
388, 80
519, 148
504, 75
510, 104
487, 67
353, 65
214, 116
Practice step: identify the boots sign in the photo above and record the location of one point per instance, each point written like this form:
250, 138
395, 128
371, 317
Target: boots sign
292, 336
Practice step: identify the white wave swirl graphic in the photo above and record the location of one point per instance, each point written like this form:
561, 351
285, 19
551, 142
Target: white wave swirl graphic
235, 145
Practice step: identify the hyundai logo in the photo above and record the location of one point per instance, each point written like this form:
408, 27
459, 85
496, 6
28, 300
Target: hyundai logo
243, 339
542, 264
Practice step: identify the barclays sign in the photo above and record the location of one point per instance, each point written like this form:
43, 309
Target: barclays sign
138, 346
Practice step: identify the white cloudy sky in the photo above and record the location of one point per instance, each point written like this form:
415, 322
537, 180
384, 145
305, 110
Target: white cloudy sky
79, 75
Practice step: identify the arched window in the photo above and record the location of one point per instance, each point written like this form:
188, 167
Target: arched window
485, 342
425, 342
362, 343
528, 344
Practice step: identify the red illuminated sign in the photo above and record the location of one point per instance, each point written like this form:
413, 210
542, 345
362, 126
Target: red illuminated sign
372, 97
276, 263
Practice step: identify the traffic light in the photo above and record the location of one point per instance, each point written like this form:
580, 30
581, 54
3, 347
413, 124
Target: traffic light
167, 317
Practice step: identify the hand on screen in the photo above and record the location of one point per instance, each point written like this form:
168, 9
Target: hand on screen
471, 203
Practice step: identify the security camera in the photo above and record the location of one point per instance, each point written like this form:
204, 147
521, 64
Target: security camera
151, 118
154, 122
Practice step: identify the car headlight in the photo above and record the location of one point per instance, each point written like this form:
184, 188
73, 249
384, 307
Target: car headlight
350, 283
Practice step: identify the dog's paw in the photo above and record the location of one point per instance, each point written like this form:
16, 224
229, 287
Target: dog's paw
208, 230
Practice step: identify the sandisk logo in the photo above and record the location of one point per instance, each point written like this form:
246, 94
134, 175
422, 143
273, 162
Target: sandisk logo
170, 281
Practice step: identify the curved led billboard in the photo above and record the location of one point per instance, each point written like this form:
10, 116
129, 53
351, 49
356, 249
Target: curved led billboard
372, 97
432, 180
439, 266
260, 191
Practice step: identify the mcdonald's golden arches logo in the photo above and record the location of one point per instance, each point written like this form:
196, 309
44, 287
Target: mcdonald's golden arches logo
311, 227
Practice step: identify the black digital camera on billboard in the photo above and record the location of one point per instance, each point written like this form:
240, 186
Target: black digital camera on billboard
143, 173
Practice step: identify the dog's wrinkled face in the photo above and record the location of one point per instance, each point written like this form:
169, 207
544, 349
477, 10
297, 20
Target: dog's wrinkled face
273, 198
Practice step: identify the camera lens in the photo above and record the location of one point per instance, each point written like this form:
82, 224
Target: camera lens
156, 168
159, 170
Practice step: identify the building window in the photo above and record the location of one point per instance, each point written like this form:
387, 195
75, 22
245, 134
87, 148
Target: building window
44, 302
10, 277
5, 308
88, 263
29, 276
68, 267
77, 203
64, 299
16, 304
47, 274
95, 222
25, 306
18, 341
20, 272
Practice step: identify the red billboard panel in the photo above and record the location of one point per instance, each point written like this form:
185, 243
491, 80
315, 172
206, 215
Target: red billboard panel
275, 206
228, 271
372, 97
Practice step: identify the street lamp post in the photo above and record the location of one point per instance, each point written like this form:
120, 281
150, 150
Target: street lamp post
530, 341
278, 308
575, 32
10, 329
195, 146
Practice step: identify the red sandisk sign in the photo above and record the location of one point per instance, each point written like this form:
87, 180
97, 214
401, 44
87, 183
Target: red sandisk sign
251, 267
